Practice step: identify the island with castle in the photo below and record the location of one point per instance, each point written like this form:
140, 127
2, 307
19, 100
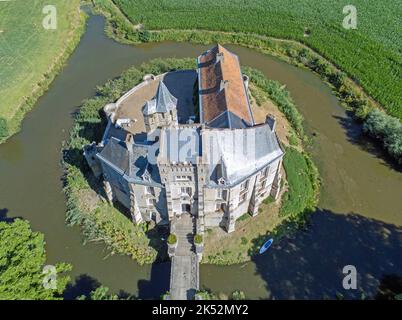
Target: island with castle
189, 161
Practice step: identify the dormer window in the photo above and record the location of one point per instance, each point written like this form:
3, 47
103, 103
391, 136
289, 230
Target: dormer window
222, 194
223, 84
146, 176
221, 181
219, 57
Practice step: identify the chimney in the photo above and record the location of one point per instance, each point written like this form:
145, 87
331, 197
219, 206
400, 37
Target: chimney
246, 80
219, 57
223, 85
271, 121
129, 139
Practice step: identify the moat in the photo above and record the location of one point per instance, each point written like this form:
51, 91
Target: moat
360, 209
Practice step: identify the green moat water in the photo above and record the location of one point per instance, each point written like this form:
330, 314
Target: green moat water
358, 221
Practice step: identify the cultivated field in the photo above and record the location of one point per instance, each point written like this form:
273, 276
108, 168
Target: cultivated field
30, 54
369, 54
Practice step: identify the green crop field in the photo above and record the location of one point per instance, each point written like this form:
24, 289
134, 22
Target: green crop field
370, 54
29, 53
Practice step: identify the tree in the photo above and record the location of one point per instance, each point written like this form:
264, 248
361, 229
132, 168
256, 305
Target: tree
22, 262
238, 295
100, 293
388, 130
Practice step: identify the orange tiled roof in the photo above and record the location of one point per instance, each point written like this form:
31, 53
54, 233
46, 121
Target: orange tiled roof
233, 97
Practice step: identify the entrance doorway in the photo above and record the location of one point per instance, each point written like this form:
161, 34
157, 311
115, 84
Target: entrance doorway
186, 208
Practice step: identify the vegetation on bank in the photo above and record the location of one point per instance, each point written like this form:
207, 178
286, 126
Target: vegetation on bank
99, 220
22, 262
103, 293
31, 56
387, 129
302, 183
373, 66
281, 97
209, 295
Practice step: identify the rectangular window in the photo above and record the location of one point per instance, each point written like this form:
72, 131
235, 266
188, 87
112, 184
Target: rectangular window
244, 186
183, 178
186, 191
242, 197
264, 174
262, 187
222, 194
243, 191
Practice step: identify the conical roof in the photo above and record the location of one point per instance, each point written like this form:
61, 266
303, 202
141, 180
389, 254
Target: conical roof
163, 101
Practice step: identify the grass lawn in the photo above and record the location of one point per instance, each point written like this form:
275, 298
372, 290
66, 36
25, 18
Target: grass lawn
29, 54
369, 54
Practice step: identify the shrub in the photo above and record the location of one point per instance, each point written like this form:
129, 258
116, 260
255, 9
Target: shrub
386, 129
244, 241
238, 295
206, 295
244, 217
269, 199
293, 141
144, 35
172, 239
198, 239
3, 128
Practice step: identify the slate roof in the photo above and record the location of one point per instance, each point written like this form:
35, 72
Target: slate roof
228, 119
180, 144
163, 101
234, 155
116, 153
232, 99
131, 160
141, 168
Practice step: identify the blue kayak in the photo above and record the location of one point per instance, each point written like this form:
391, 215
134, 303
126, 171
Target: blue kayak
266, 246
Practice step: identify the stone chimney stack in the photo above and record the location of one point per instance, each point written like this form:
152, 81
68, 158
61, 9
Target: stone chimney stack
271, 120
223, 85
246, 80
129, 139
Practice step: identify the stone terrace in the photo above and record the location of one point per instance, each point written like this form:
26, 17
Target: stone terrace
179, 83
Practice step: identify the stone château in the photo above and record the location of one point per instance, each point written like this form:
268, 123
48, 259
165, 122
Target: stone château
185, 143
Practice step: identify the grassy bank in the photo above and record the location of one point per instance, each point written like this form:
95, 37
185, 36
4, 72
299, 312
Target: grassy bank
98, 220
368, 56
31, 56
